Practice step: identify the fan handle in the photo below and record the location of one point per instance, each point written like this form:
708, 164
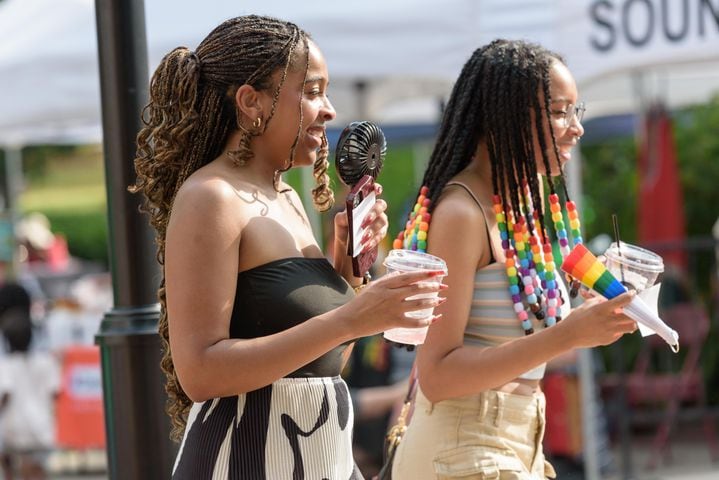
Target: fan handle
363, 190
360, 191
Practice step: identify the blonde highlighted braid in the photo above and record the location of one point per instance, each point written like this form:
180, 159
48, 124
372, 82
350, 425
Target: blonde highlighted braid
322, 196
189, 117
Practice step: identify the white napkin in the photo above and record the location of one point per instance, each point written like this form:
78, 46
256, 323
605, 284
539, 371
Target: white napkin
651, 298
358, 215
647, 318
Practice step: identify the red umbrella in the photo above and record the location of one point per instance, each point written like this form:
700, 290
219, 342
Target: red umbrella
661, 202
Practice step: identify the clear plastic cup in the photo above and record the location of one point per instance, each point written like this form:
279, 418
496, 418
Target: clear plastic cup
638, 268
635, 267
399, 260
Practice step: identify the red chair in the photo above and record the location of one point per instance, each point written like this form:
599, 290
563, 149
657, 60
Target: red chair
672, 383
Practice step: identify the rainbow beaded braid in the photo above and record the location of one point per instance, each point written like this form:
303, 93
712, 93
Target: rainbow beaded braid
544, 266
574, 225
522, 269
414, 236
529, 260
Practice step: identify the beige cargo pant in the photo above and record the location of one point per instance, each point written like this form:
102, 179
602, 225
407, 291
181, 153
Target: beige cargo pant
491, 435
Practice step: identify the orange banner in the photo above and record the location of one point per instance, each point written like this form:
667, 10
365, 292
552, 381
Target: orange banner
80, 419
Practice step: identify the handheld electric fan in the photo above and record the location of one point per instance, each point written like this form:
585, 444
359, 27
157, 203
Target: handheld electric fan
584, 266
359, 158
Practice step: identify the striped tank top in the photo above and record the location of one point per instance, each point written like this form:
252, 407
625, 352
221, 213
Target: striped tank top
492, 320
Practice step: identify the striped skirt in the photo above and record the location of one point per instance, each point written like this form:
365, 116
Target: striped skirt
295, 428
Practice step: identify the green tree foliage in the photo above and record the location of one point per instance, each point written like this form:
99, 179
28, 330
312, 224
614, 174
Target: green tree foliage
610, 183
67, 185
697, 139
37, 161
698, 147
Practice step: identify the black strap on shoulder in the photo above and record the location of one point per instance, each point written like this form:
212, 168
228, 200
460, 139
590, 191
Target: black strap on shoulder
474, 197
466, 189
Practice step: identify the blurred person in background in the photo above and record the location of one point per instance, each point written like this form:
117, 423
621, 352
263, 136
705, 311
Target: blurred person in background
377, 377
30, 234
5, 466
39, 245
32, 382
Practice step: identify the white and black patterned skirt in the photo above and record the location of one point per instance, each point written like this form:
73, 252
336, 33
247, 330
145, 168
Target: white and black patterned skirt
295, 429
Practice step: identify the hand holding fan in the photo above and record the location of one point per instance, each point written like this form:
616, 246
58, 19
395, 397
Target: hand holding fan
359, 158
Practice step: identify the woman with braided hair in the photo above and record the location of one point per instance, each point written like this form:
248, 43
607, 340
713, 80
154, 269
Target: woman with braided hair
256, 322
512, 119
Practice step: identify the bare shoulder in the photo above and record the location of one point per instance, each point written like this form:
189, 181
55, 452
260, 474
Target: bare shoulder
458, 231
457, 210
207, 200
205, 190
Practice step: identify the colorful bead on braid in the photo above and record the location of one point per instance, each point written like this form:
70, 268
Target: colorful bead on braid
505, 221
558, 220
521, 275
574, 226
528, 271
554, 294
545, 266
538, 269
533, 260
529, 260
531, 269
414, 236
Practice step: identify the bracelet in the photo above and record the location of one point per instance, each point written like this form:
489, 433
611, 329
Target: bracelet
365, 281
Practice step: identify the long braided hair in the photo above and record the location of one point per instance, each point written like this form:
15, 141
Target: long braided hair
189, 117
495, 98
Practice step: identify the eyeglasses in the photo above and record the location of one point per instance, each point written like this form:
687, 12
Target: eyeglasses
572, 112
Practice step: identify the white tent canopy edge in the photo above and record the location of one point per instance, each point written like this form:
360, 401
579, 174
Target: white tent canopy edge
409, 52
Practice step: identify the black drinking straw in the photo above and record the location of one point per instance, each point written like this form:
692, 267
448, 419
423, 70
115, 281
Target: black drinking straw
615, 222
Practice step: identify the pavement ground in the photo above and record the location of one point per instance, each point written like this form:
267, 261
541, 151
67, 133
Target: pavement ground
689, 460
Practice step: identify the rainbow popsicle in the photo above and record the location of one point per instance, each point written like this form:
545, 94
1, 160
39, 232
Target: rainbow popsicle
584, 266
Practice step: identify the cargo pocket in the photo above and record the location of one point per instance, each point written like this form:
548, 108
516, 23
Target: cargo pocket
473, 462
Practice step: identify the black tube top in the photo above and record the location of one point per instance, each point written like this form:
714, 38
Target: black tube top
283, 293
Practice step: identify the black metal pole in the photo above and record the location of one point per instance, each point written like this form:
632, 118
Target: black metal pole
138, 444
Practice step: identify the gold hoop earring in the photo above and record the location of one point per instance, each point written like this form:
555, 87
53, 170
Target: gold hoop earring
257, 123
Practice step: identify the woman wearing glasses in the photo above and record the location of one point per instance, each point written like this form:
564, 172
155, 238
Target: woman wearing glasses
510, 124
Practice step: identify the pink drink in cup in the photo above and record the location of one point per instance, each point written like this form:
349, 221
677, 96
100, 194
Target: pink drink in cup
399, 260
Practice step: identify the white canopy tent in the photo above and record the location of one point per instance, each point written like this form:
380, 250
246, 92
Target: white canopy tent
408, 52
49, 80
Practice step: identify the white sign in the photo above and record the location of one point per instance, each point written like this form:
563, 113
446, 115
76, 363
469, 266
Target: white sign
600, 37
85, 382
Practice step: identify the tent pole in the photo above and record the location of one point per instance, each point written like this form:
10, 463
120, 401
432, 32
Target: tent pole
11, 194
585, 366
138, 444
715, 234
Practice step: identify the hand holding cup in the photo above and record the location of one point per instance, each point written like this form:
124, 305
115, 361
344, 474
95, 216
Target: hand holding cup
387, 303
400, 260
